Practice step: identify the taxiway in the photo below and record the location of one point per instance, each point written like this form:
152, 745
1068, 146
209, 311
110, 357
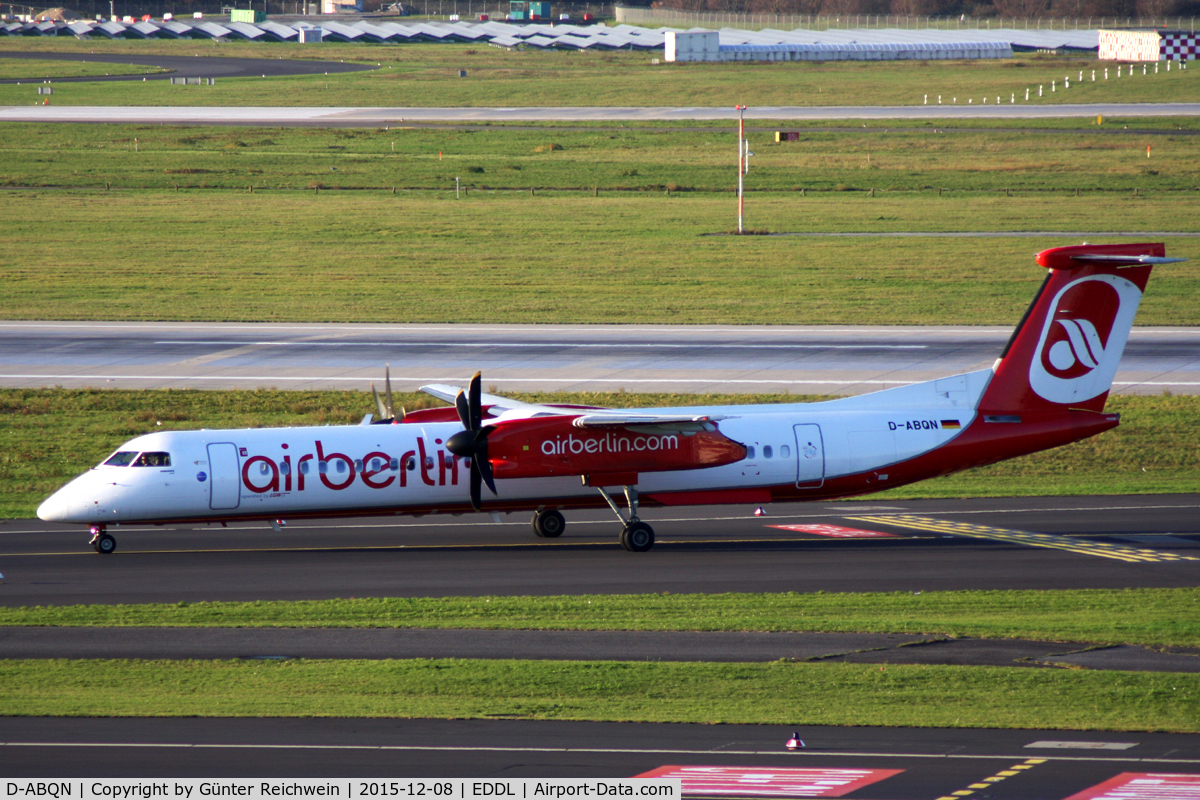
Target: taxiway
721, 549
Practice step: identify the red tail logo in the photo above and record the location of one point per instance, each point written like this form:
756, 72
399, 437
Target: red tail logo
1083, 337
1066, 351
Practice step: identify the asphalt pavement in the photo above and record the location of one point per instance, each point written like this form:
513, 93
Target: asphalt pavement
189, 66
922, 763
844, 359
295, 116
713, 549
701, 646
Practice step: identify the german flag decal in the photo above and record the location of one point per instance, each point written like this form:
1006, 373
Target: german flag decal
950, 424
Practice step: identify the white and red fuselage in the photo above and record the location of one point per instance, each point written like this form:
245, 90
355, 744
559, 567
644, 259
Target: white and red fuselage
1047, 389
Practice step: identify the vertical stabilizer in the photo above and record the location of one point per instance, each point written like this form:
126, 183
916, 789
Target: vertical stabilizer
1064, 353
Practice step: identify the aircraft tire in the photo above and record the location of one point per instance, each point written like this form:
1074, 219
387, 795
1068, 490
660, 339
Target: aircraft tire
105, 544
637, 537
548, 524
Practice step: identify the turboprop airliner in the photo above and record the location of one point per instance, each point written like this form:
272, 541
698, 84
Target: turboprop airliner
1048, 388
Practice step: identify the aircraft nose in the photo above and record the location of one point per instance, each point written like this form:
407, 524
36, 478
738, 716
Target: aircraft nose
53, 508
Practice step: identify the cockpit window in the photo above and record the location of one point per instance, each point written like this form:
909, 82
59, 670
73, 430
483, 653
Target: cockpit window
122, 458
153, 460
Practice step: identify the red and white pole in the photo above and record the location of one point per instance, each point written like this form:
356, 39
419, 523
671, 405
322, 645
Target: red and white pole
741, 166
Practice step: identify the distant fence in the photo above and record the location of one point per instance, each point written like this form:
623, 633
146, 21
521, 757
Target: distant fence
496, 9
662, 17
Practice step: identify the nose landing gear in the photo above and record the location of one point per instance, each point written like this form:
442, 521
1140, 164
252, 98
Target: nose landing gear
101, 542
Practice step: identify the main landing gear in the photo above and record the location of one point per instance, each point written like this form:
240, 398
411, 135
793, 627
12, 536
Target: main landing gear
636, 536
548, 524
101, 542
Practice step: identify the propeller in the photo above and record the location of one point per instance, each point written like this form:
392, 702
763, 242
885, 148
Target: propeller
471, 442
387, 414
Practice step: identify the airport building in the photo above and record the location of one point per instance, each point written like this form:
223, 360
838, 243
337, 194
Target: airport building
1153, 45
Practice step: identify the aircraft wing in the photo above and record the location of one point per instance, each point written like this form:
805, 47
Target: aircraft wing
647, 422
498, 404
586, 418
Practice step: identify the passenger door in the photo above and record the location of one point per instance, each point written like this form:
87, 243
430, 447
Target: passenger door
225, 476
810, 457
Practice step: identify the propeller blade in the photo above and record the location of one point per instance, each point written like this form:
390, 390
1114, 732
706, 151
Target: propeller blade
481, 463
464, 415
387, 389
379, 406
476, 494
473, 402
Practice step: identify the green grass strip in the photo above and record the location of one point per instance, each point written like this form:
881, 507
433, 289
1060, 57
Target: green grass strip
1155, 617
777, 693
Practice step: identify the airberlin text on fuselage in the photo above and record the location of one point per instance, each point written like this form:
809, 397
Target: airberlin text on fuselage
608, 444
377, 470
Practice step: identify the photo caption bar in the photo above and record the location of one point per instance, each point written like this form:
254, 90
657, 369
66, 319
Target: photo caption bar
344, 789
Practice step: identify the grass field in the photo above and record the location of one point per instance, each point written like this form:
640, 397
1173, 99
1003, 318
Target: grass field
776, 693
427, 75
567, 258
51, 435
568, 225
1021, 158
1149, 617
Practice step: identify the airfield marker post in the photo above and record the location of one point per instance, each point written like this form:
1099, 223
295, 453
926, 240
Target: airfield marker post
741, 164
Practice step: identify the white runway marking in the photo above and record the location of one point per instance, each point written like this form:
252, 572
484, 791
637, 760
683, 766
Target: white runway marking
605, 345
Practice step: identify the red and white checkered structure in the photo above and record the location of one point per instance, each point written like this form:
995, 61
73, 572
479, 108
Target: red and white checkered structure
1160, 45
1179, 46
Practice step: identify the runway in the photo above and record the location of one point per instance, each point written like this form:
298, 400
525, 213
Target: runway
639, 358
699, 550
373, 117
933, 762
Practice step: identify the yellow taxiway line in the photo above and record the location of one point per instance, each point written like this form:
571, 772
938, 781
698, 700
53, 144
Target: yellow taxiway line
1134, 555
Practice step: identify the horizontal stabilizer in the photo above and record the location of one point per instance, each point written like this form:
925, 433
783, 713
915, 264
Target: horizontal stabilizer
1124, 261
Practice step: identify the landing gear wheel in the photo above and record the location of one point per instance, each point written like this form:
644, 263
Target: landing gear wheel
637, 537
104, 544
548, 524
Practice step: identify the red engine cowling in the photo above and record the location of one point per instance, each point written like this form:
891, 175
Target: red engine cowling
542, 448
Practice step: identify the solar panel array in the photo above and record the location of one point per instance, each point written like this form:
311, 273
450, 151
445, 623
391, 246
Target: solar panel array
563, 36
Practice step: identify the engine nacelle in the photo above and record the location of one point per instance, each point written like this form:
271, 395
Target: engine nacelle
542, 448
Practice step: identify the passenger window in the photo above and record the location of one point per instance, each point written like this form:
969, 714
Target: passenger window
285, 468
262, 468
341, 465
357, 464
323, 467
750, 452
153, 460
767, 451
394, 465
303, 467
785, 451
122, 458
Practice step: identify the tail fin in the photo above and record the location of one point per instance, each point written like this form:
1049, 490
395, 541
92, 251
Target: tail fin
1065, 351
